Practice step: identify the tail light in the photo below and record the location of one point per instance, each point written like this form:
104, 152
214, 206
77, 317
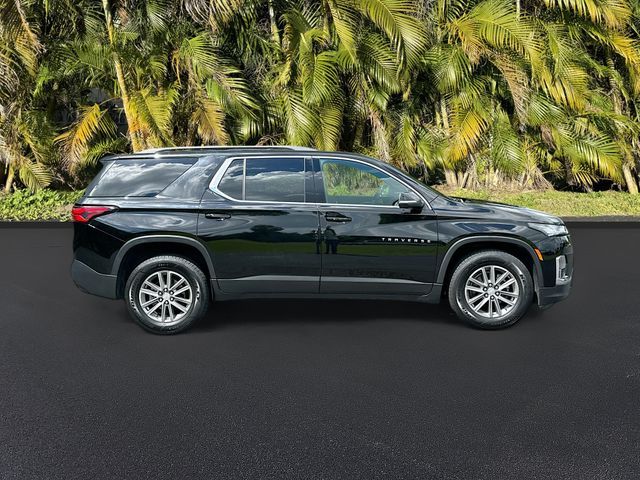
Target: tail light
84, 213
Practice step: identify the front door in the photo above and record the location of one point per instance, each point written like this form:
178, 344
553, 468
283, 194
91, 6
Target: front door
261, 235
369, 244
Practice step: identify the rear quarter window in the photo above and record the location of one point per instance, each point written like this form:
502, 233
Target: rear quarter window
138, 178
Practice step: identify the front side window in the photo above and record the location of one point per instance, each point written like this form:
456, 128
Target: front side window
265, 180
347, 182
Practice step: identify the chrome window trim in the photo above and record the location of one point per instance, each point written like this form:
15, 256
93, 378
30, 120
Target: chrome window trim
244, 178
215, 181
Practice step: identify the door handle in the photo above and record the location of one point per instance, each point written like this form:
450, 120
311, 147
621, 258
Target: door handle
217, 216
336, 217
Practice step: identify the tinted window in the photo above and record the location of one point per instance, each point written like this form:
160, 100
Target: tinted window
275, 179
138, 178
347, 182
265, 179
231, 183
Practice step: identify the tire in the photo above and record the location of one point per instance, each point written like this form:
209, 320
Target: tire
167, 314
474, 298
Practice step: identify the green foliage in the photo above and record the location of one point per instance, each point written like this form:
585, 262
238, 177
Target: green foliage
565, 204
342, 180
42, 205
52, 205
478, 93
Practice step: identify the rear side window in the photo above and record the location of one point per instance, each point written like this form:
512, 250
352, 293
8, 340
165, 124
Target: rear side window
265, 179
138, 178
232, 182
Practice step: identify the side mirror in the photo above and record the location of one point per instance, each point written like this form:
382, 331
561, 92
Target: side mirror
410, 200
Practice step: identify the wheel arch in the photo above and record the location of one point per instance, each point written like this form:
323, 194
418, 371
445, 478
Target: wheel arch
139, 249
461, 248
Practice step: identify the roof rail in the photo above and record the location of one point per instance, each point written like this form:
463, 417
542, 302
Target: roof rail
227, 147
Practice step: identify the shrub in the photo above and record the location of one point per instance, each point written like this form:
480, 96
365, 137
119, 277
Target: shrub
43, 205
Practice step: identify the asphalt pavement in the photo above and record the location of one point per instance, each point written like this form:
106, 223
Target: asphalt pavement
318, 389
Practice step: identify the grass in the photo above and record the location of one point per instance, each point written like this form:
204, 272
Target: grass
55, 206
42, 205
564, 204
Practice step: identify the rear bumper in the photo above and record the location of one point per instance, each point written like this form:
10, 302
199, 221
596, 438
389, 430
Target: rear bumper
90, 281
551, 295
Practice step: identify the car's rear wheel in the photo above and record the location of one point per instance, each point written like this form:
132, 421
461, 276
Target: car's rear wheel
167, 294
490, 289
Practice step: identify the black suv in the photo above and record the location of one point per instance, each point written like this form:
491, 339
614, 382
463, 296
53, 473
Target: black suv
171, 229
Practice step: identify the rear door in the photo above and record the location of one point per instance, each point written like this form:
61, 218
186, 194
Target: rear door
369, 244
260, 231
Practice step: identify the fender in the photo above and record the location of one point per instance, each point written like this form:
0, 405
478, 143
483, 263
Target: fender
537, 269
162, 238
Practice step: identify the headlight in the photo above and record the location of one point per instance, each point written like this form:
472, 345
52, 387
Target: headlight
549, 229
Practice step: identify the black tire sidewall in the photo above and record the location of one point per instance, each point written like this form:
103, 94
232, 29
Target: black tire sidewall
192, 274
467, 266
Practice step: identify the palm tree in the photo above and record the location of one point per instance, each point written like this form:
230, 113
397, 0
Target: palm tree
23, 131
169, 77
508, 93
594, 62
478, 93
324, 68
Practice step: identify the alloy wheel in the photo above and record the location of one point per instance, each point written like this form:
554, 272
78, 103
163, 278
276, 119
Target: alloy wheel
492, 291
165, 297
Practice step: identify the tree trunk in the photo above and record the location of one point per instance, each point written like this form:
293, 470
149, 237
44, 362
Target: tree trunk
9, 182
380, 136
275, 34
450, 177
463, 178
134, 133
445, 116
327, 20
629, 179
132, 123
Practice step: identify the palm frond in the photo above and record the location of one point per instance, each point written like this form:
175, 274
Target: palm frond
34, 175
100, 149
397, 18
330, 128
612, 13
507, 152
493, 23
92, 123
469, 121
403, 141
451, 67
208, 118
321, 79
345, 23
599, 153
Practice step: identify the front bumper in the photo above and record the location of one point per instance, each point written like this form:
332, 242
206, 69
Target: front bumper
551, 295
90, 281
555, 282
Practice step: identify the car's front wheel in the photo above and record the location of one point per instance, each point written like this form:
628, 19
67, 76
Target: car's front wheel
490, 289
167, 294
